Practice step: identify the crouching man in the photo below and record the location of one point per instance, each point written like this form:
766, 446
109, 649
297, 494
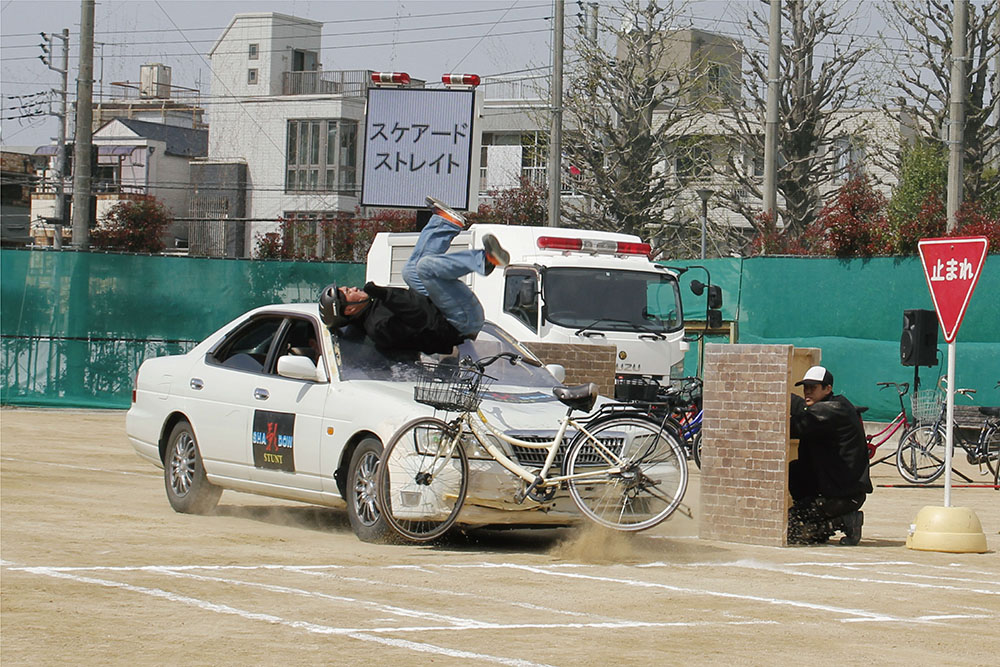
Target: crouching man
829, 482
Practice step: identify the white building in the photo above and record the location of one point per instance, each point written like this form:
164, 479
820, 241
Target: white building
294, 127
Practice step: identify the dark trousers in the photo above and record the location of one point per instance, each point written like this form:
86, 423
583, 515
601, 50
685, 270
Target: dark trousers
814, 519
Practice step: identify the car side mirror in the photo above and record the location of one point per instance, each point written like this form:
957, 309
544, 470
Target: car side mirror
300, 368
558, 372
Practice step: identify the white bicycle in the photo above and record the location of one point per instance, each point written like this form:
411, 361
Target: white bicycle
623, 469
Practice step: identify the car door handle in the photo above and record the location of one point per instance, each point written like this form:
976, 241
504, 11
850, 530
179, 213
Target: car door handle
196, 383
261, 394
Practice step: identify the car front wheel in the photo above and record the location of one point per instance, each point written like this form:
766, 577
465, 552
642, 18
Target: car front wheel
188, 490
362, 505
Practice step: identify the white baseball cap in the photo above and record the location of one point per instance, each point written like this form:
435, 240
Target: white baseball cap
816, 375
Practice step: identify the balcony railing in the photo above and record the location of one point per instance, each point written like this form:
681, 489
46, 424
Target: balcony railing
350, 83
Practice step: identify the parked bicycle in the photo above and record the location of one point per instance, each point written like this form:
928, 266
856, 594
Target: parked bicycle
623, 469
900, 421
680, 401
921, 455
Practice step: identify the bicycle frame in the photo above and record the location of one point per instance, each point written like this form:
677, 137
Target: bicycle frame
900, 421
478, 428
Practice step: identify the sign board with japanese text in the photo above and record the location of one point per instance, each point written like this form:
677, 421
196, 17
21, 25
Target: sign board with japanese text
952, 267
417, 143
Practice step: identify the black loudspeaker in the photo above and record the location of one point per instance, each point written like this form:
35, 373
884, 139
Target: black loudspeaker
918, 344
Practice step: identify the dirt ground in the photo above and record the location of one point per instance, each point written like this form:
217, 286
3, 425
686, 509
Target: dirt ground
97, 569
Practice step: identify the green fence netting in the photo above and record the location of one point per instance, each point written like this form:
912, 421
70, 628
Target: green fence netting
77, 325
853, 311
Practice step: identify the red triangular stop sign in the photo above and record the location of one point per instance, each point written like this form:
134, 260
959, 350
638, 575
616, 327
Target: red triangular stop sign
952, 267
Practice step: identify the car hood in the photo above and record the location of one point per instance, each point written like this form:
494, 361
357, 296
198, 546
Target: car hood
507, 407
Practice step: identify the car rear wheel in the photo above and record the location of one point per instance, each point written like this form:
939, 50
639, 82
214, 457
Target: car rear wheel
362, 503
188, 490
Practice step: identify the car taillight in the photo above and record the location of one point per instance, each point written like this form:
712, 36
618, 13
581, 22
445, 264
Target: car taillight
135, 382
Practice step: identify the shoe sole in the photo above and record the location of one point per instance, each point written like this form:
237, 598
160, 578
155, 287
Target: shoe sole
440, 208
495, 255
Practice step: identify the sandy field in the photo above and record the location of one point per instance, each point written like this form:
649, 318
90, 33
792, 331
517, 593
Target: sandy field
97, 569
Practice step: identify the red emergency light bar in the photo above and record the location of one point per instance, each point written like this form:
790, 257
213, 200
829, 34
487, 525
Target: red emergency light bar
593, 245
390, 78
460, 80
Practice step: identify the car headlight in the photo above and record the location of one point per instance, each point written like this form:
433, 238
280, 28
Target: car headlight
427, 442
474, 450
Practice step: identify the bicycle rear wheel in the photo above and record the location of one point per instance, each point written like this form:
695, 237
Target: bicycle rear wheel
991, 449
633, 479
423, 479
920, 457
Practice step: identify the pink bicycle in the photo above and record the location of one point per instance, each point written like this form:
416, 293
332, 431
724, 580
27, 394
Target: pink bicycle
901, 421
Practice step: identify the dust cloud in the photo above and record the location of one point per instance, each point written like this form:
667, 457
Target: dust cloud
591, 543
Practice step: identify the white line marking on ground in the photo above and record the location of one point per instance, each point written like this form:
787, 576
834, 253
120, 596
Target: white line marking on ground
390, 609
76, 467
440, 591
772, 567
362, 635
874, 616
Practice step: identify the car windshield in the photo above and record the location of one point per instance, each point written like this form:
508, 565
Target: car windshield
360, 360
612, 300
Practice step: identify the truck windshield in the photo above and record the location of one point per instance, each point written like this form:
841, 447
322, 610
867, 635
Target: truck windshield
612, 300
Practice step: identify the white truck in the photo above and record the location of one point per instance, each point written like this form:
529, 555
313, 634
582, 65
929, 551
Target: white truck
569, 286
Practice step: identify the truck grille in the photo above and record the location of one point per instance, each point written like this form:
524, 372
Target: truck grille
536, 457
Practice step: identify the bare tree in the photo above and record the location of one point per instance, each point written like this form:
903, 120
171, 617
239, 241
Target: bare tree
818, 88
621, 108
922, 69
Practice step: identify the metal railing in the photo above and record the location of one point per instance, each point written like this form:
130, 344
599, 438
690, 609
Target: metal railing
350, 83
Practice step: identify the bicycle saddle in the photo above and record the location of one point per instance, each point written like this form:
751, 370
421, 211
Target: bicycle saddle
580, 397
990, 412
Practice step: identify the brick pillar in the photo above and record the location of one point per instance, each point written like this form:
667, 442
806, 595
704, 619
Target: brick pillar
745, 445
583, 363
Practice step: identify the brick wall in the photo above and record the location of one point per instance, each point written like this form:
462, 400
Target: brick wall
745, 445
583, 363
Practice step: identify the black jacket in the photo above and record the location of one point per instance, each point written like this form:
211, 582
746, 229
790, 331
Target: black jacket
403, 319
833, 452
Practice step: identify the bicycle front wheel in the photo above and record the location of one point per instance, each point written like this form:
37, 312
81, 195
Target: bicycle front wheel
920, 457
423, 478
632, 478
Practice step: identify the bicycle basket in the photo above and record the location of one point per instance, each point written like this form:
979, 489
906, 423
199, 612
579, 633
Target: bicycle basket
636, 389
450, 387
926, 405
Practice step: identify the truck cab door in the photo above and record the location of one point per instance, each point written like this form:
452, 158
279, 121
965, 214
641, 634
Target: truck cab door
520, 297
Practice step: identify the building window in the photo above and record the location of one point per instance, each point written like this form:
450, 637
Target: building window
252, 76
322, 155
720, 80
535, 157
693, 160
254, 52
850, 152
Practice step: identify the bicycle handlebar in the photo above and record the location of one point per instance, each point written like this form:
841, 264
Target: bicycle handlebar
481, 364
901, 387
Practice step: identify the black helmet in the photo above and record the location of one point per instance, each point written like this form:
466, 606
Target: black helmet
331, 307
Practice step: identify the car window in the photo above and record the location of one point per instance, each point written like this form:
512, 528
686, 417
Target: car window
246, 348
300, 338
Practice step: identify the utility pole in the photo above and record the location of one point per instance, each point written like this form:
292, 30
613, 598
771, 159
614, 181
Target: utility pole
771, 124
60, 166
83, 145
555, 133
956, 143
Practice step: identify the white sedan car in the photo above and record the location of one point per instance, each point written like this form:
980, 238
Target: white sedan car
273, 404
